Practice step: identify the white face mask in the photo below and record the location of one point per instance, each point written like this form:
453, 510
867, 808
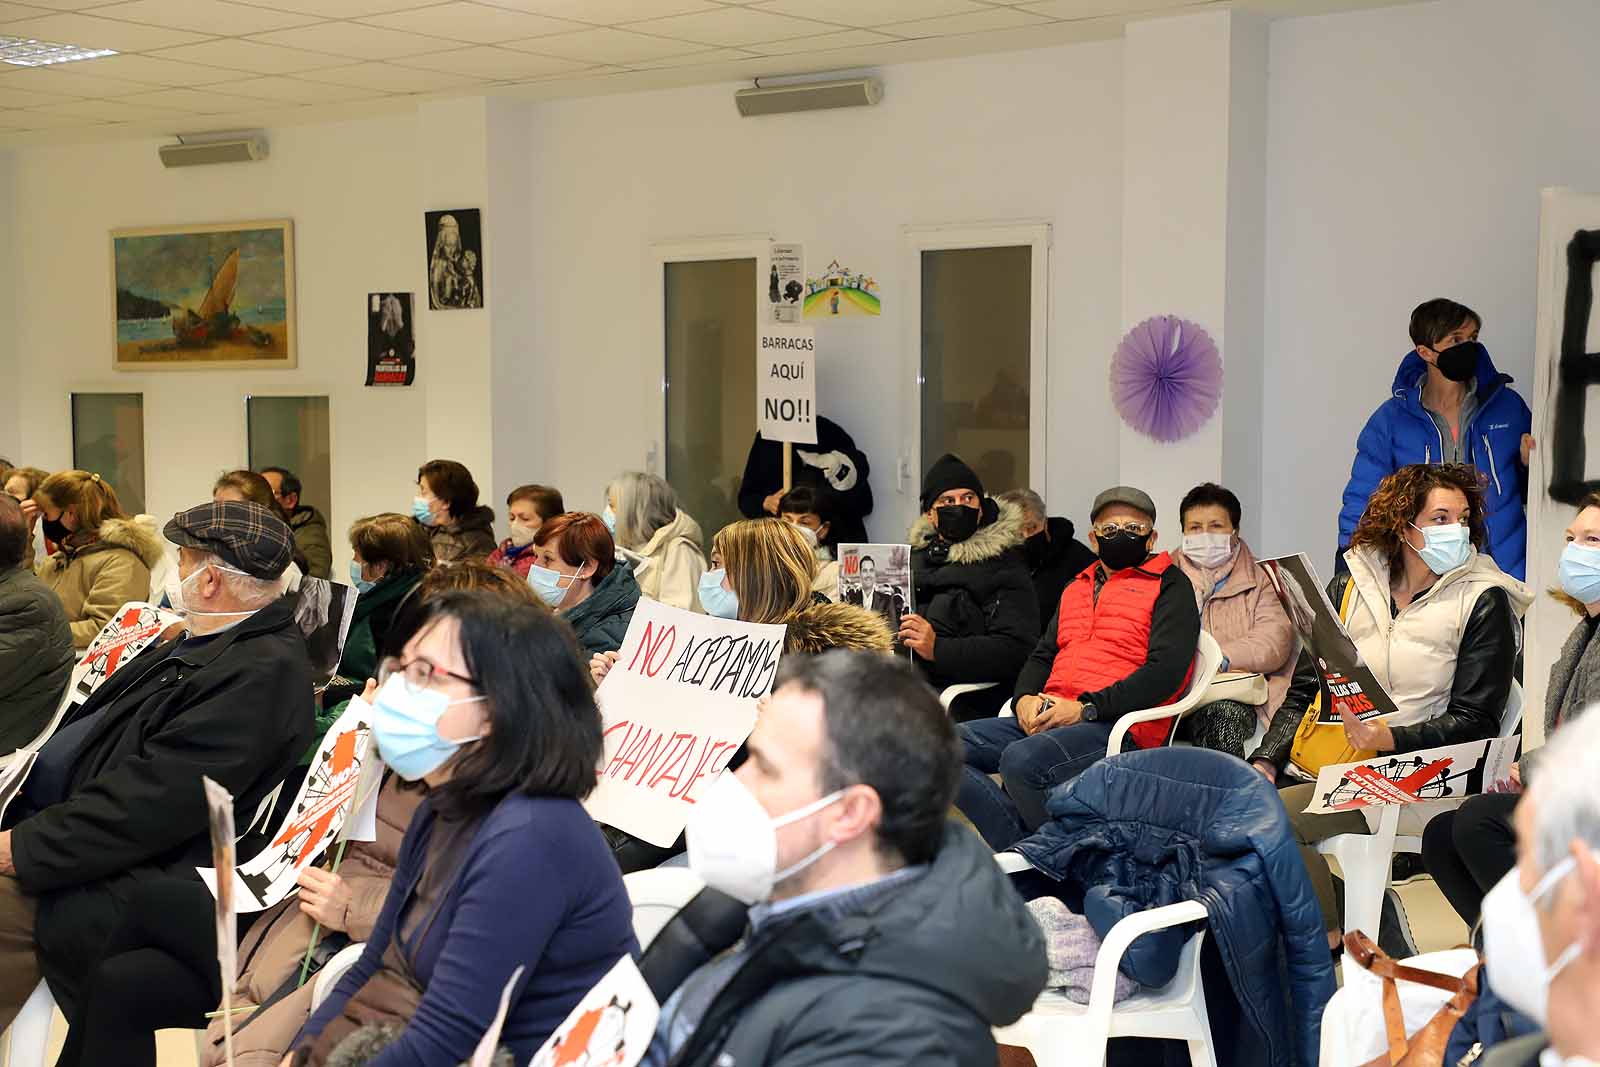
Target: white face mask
1208, 551
180, 603
1512, 947
808, 533
733, 842
522, 534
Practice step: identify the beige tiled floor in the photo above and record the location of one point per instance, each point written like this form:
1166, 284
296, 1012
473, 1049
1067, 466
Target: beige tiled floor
1433, 923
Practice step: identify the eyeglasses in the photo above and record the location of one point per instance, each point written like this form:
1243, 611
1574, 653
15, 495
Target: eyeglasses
1112, 529
419, 674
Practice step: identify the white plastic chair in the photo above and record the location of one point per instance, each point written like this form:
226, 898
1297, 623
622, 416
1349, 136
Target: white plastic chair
1061, 1033
1207, 659
657, 895
948, 695
1365, 859
334, 970
28, 1039
1352, 1022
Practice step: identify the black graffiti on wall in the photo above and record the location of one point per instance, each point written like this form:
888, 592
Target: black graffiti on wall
1577, 371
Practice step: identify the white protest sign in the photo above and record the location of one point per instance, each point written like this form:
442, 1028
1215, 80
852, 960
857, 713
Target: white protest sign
320, 809
1449, 772
612, 1026
677, 705
219, 805
489, 1044
786, 383
17, 766
786, 284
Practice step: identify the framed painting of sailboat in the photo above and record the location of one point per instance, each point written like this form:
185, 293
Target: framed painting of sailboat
201, 297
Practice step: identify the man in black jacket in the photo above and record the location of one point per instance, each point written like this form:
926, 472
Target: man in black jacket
834, 463
879, 931
1055, 555
35, 640
115, 797
977, 615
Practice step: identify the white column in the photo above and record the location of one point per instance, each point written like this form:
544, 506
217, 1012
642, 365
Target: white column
1194, 130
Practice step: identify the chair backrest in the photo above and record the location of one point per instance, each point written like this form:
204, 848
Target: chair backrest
1511, 717
1207, 660
657, 895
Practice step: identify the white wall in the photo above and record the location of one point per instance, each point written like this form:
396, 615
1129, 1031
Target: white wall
351, 190
996, 138
1406, 149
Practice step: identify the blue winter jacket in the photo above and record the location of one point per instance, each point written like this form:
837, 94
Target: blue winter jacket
1401, 432
1146, 829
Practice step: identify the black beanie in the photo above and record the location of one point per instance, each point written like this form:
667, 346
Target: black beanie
947, 473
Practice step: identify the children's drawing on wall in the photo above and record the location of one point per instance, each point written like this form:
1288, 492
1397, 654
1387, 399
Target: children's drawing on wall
455, 259
839, 291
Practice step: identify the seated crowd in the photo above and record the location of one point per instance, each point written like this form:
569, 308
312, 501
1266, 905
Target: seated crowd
869, 920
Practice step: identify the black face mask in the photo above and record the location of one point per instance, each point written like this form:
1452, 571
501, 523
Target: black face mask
1460, 362
1123, 550
1037, 549
957, 522
55, 530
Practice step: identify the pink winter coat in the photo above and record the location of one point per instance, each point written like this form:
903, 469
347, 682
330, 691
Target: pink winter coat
1247, 620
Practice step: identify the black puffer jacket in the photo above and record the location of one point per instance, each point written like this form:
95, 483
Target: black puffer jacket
978, 597
35, 656
1056, 562
918, 975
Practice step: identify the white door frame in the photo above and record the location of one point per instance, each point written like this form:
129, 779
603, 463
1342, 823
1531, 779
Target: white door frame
688, 250
914, 240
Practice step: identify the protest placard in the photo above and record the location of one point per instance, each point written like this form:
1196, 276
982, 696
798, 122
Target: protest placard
1449, 772
786, 383
677, 705
323, 612
1347, 683
786, 283
219, 805
483, 1055
320, 809
878, 578
12, 775
612, 1026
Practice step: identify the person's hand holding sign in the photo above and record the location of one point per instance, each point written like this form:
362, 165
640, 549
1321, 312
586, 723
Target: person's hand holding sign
1373, 735
770, 505
324, 896
916, 633
600, 664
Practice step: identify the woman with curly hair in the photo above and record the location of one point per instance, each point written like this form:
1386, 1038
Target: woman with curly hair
1436, 621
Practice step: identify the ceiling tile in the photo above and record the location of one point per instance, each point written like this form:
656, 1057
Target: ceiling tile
732, 26
42, 120
475, 23
997, 18
28, 98
822, 43
605, 46
388, 78
151, 71
354, 40
220, 17
495, 63
870, 12
13, 12
606, 12
73, 82
198, 101
298, 91
110, 111
66, 5
92, 32
336, 9
695, 59
251, 57
1091, 9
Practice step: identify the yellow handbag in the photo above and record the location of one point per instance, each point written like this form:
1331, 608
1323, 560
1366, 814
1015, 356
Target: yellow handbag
1322, 744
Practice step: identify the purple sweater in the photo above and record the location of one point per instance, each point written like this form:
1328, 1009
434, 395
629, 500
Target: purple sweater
537, 886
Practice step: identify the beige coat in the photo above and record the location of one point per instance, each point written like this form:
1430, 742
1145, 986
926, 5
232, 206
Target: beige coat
1247, 620
1414, 656
669, 565
272, 952
96, 579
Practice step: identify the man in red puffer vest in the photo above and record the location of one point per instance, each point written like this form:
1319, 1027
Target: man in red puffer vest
1122, 639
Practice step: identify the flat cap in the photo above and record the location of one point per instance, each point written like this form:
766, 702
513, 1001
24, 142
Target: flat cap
245, 534
1137, 499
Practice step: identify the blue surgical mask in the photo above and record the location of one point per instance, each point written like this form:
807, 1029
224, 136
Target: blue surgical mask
547, 584
1444, 548
361, 584
609, 517
1580, 572
719, 602
406, 725
420, 511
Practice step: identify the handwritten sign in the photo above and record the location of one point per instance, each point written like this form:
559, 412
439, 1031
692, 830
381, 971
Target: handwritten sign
324, 802
1449, 772
677, 706
611, 1027
786, 383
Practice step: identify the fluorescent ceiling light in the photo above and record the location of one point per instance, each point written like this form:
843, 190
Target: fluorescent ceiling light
25, 52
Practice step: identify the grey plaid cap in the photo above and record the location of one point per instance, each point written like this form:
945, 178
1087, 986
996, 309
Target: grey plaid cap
243, 533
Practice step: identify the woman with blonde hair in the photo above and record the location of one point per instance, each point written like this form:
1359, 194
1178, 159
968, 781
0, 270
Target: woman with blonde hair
662, 541
102, 557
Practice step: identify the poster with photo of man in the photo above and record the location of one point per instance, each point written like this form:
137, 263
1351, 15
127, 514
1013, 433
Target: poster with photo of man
878, 578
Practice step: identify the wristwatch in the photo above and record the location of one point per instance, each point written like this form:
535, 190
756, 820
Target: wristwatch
1091, 713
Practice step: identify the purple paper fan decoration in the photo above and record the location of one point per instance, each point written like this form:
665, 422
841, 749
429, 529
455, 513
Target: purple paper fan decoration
1166, 377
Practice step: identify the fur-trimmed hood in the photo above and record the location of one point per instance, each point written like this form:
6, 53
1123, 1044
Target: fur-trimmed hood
989, 542
129, 534
823, 626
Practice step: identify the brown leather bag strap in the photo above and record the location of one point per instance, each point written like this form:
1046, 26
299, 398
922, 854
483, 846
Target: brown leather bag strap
1374, 959
1394, 1022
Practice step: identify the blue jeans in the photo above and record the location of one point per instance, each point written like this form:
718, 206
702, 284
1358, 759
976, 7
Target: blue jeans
1031, 766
